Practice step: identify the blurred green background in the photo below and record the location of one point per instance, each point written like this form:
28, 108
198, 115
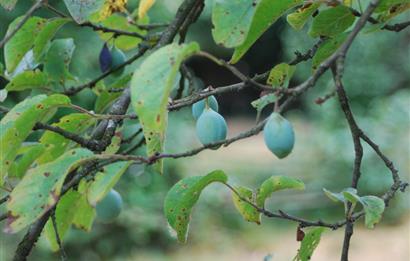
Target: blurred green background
377, 82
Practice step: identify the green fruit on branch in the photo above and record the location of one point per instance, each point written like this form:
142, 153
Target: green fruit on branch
210, 127
118, 58
279, 136
109, 207
199, 106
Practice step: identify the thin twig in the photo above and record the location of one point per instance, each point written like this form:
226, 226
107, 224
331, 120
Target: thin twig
63, 254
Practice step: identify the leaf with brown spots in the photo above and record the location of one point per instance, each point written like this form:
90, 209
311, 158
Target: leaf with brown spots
37, 192
182, 197
19, 122
151, 86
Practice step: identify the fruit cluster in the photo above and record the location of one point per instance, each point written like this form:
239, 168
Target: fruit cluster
110, 59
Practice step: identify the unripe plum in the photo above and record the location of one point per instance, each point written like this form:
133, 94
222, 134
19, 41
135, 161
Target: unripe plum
198, 107
279, 136
109, 207
210, 127
118, 58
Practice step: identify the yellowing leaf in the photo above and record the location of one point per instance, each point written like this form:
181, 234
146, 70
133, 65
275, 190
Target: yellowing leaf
144, 6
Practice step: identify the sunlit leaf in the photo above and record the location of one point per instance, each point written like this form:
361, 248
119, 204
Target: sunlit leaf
22, 41
299, 18
151, 86
18, 123
40, 189
280, 75
28, 80
276, 183
46, 34
248, 212
309, 244
182, 197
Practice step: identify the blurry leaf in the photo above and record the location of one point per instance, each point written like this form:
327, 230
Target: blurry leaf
385, 5
336, 197
64, 214
22, 41
28, 155
85, 214
181, 198
373, 208
8, 4
144, 6
350, 194
309, 244
105, 180
3, 95
58, 59
18, 123
248, 212
105, 98
393, 12
27, 63
262, 102
266, 13
231, 20
28, 80
299, 18
151, 86
327, 48
332, 21
115, 144
56, 144
276, 183
40, 189
119, 22
46, 34
280, 75
80, 10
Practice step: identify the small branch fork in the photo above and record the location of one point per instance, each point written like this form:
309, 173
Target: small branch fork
105, 130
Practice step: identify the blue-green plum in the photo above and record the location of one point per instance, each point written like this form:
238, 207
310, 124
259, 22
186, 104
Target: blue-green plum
109, 207
118, 58
279, 136
199, 106
210, 127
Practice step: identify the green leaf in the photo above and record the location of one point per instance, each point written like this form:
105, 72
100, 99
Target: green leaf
181, 198
46, 34
85, 214
231, 20
22, 41
28, 80
373, 208
276, 183
151, 86
266, 13
55, 143
332, 21
18, 123
28, 155
393, 11
64, 214
80, 10
104, 181
336, 197
248, 212
350, 194
262, 102
327, 48
8, 4
119, 22
299, 18
385, 5
58, 59
309, 244
280, 75
40, 189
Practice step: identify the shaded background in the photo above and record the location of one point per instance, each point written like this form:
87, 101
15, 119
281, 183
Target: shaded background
377, 82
